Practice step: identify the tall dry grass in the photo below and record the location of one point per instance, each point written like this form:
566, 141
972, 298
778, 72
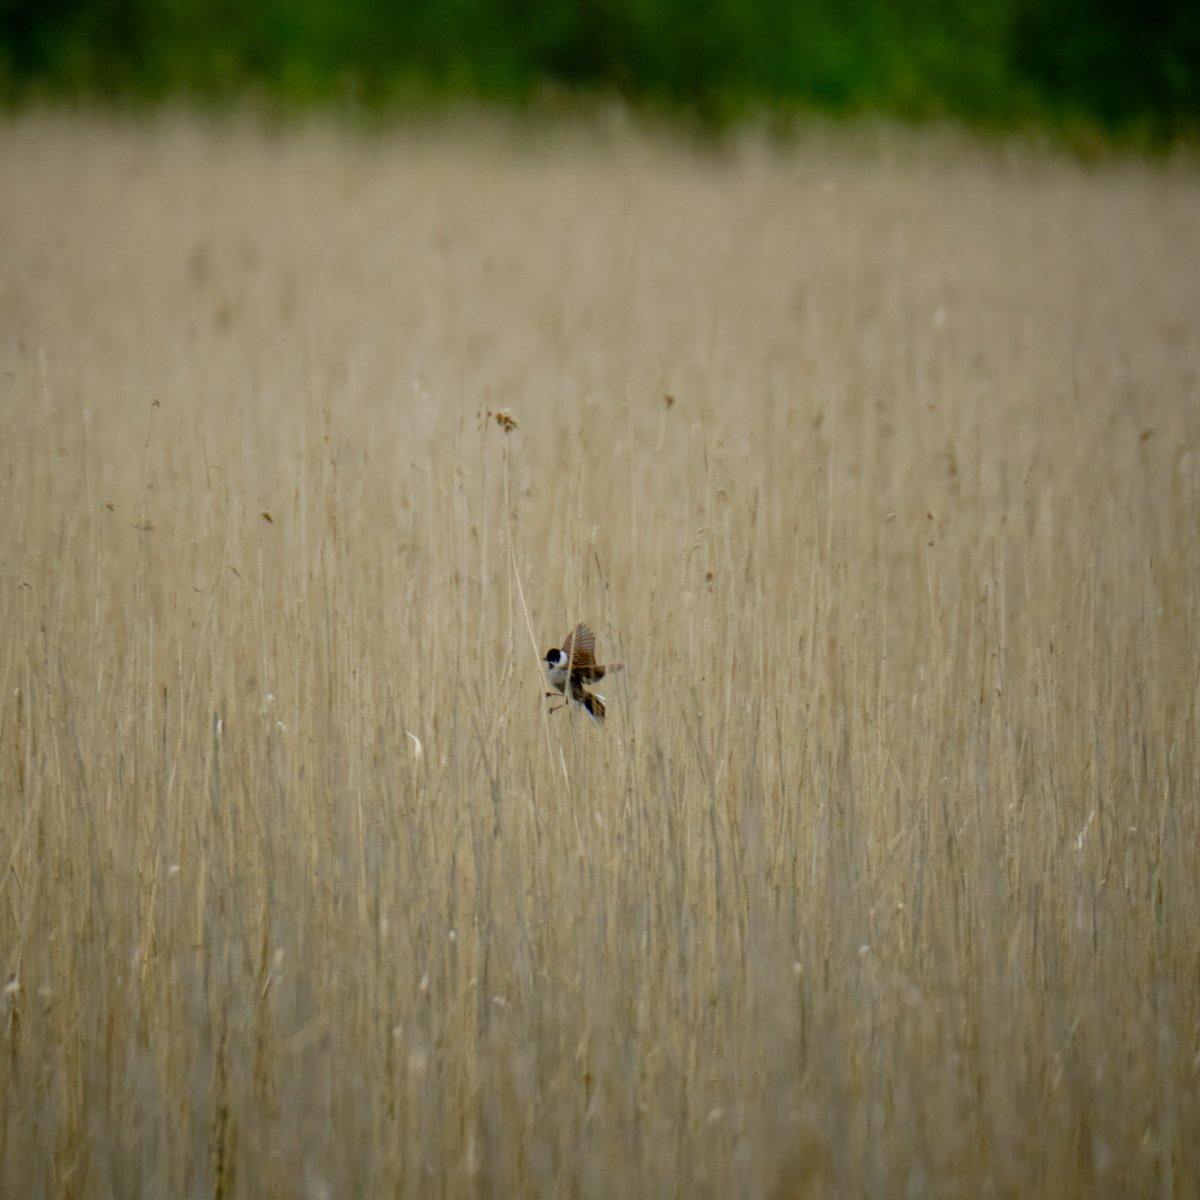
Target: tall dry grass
874, 459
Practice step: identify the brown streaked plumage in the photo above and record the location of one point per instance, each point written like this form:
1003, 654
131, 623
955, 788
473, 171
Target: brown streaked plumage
571, 666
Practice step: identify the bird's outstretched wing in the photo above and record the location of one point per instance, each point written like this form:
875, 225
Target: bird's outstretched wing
580, 648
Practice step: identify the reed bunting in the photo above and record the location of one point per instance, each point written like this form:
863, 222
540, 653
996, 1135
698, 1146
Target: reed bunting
571, 666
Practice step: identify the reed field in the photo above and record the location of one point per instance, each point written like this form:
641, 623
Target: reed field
873, 456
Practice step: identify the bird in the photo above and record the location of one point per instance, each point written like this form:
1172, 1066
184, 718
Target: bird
572, 665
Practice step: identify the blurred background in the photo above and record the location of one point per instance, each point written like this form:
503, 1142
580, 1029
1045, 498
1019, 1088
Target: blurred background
1122, 68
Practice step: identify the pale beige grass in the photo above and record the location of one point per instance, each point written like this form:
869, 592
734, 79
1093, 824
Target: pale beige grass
883, 876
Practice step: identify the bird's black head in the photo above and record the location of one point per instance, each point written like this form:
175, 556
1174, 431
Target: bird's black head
552, 656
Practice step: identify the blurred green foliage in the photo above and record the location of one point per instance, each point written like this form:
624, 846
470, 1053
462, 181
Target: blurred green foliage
1117, 65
